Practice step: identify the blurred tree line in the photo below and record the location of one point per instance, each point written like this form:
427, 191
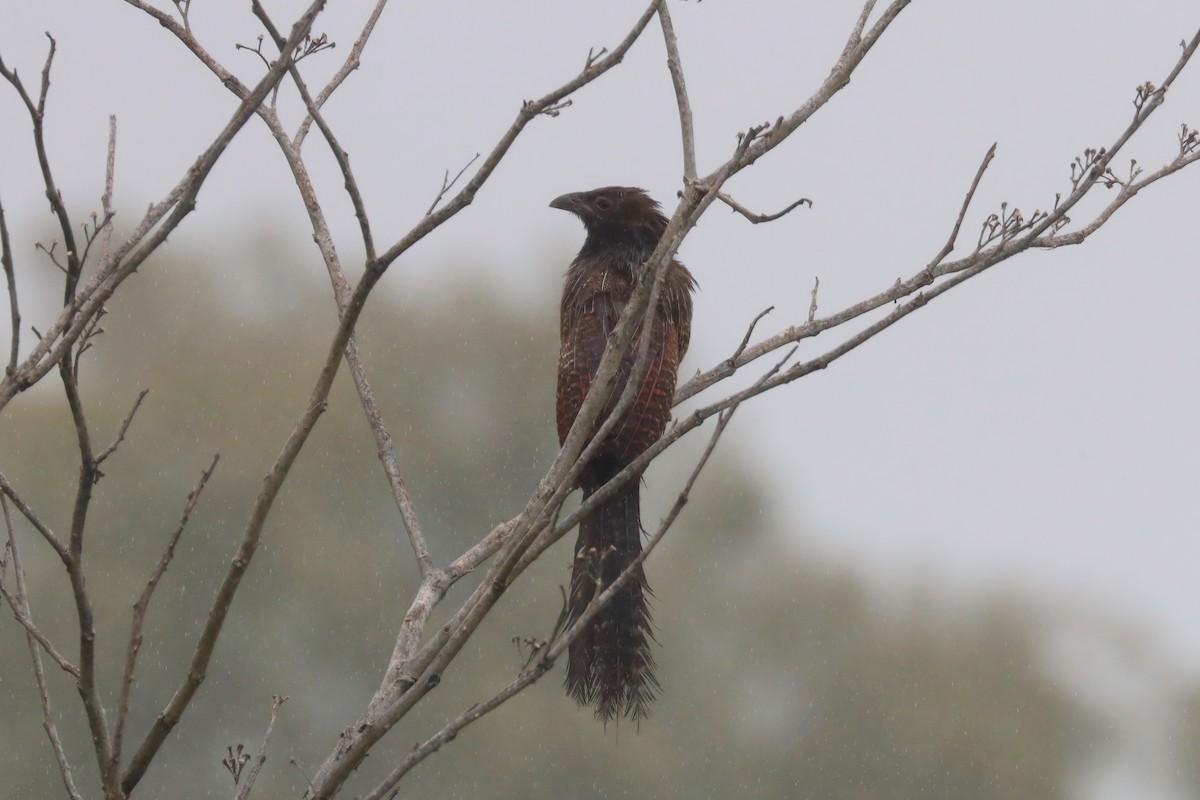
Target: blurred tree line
783, 677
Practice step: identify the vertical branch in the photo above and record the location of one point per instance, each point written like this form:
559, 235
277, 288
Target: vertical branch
74, 264
106, 198
686, 130
88, 475
39, 672
14, 308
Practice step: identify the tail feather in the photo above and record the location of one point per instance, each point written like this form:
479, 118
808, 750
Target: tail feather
610, 666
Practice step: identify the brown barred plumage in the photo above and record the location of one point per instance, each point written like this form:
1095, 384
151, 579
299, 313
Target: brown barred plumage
610, 666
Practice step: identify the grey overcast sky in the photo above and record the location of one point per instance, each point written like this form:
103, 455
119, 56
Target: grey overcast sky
1035, 427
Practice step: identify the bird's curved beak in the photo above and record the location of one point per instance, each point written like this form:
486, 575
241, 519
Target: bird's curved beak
567, 202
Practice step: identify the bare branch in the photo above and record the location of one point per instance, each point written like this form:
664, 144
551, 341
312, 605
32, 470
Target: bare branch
757, 218
18, 602
20, 615
184, 6
339, 153
857, 47
324, 240
447, 183
962, 212
274, 479
88, 475
1125, 195
14, 309
856, 35
749, 332
376, 721
149, 233
530, 109
546, 657
143, 602
20, 607
675, 66
353, 60
1025, 234
557, 483
124, 429
37, 114
50, 254
387, 450
390, 461
41, 527
413, 670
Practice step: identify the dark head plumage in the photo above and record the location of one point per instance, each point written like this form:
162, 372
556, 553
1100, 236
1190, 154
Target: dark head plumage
616, 213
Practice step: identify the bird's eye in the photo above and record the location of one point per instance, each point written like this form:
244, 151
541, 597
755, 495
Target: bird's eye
603, 203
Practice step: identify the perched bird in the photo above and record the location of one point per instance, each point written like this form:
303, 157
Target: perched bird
610, 666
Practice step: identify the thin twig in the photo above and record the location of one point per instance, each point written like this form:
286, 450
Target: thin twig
307, 780
859, 43
143, 602
37, 114
448, 183
390, 461
33, 637
749, 332
812, 302
14, 309
758, 218
34, 520
102, 224
18, 603
966, 204
261, 758
21, 616
124, 429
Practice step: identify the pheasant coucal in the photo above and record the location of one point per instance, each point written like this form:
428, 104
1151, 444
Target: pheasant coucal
610, 666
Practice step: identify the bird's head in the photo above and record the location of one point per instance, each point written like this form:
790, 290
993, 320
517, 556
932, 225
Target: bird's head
616, 212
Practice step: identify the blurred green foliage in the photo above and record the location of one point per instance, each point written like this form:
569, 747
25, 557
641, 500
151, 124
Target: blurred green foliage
783, 676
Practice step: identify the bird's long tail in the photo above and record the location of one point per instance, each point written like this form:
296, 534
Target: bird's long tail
610, 666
